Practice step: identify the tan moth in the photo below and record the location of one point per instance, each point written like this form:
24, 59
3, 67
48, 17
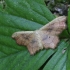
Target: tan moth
45, 37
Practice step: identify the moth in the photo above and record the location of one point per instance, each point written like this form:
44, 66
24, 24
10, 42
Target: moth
46, 37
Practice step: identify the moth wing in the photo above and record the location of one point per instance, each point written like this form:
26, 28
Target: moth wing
48, 41
45, 37
56, 26
28, 39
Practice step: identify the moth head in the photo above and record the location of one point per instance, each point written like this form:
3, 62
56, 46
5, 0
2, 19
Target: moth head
15, 35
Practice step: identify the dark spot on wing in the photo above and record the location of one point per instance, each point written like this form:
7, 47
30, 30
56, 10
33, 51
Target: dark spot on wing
50, 29
26, 36
33, 41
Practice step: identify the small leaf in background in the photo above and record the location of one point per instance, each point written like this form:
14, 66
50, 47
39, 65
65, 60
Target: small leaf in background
68, 59
68, 20
68, 52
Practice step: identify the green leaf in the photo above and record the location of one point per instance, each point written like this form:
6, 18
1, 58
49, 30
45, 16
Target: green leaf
29, 9
13, 56
26, 15
68, 59
59, 58
64, 34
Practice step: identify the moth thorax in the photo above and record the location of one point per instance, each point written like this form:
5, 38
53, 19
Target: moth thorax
39, 39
